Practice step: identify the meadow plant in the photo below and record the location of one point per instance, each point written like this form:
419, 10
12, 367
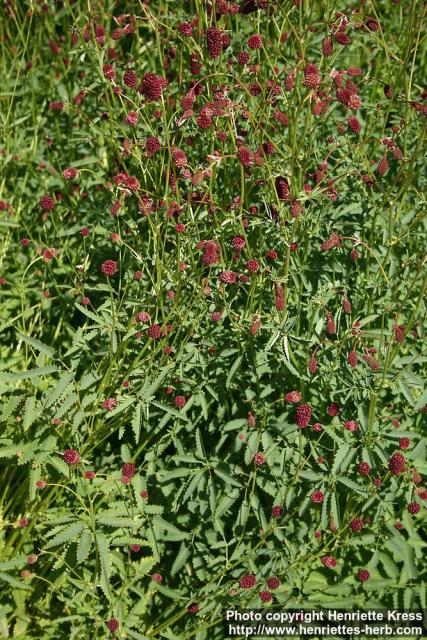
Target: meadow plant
212, 287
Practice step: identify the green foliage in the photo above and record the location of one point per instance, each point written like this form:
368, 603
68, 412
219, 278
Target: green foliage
224, 479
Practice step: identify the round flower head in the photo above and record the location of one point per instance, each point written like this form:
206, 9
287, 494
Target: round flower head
397, 464
329, 562
152, 86
155, 331
303, 416
327, 47
356, 525
47, 203
317, 497
273, 583
129, 78
228, 277
109, 268
363, 575
180, 401
113, 625
404, 443
109, 404
248, 581
185, 29
71, 456
351, 425
157, 577
128, 469
69, 174
352, 358
152, 146
413, 508
214, 42
255, 41
293, 396
364, 468
312, 365
354, 124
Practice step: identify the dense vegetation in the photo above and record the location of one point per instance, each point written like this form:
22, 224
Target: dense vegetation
212, 287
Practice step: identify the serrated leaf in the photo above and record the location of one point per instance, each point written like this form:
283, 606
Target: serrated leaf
149, 389
335, 512
233, 370
324, 519
90, 314
127, 541
154, 509
14, 582
406, 392
134, 634
224, 504
225, 472
16, 563
39, 346
30, 413
59, 389
173, 412
136, 422
343, 451
251, 447
67, 534
272, 340
115, 521
26, 375
10, 406
104, 563
163, 524
35, 475
181, 559
199, 445
288, 364
237, 423
351, 484
84, 545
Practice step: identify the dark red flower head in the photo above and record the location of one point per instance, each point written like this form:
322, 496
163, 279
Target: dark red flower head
109, 267
248, 581
214, 42
155, 331
129, 78
363, 575
397, 464
329, 562
413, 507
317, 497
273, 583
152, 86
303, 415
71, 456
47, 203
364, 468
113, 625
255, 41
128, 469
356, 525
